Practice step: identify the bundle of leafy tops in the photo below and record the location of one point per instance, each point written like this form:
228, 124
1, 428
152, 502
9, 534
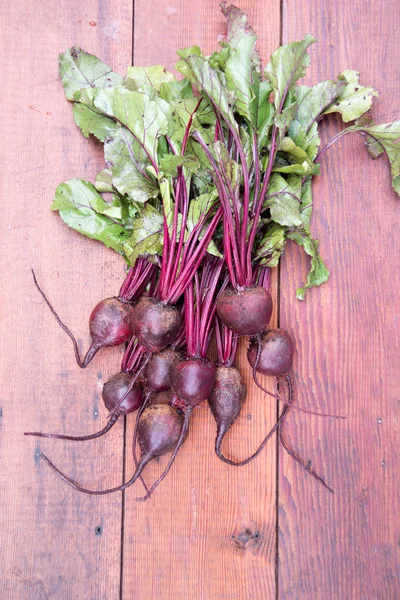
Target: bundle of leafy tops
207, 176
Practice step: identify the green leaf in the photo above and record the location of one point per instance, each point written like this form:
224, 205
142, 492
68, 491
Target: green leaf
199, 207
140, 115
239, 30
354, 100
318, 273
238, 72
307, 140
231, 170
176, 90
141, 78
271, 246
147, 237
306, 204
126, 160
387, 137
78, 70
283, 201
212, 82
312, 102
264, 110
288, 64
103, 181
284, 119
90, 121
287, 145
170, 162
83, 209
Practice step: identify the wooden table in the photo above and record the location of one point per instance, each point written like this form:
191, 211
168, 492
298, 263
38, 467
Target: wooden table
210, 532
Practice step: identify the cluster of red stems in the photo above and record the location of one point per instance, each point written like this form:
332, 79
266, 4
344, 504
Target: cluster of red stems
166, 313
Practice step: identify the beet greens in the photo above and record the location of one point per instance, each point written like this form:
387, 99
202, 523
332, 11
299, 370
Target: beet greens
206, 180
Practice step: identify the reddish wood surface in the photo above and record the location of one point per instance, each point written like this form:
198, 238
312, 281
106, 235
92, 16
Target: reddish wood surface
348, 336
49, 547
209, 533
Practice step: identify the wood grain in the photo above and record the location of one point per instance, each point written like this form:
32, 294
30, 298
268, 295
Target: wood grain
55, 543
348, 336
208, 532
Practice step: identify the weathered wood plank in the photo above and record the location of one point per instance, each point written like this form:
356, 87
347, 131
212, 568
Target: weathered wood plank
347, 335
209, 530
49, 546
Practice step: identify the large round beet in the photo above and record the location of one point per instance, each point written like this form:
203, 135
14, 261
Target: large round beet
157, 373
115, 389
193, 379
156, 325
227, 398
245, 312
159, 430
276, 352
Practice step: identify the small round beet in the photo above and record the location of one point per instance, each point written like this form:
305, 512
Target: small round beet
156, 325
159, 430
245, 312
276, 352
227, 398
109, 325
193, 379
115, 389
157, 373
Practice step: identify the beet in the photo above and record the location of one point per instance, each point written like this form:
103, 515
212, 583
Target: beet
275, 349
109, 325
245, 312
226, 401
113, 391
116, 388
157, 373
160, 430
193, 379
156, 325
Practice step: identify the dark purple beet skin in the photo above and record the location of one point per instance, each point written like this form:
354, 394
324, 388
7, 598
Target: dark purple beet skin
110, 322
193, 379
276, 355
157, 373
114, 390
159, 430
245, 312
156, 325
227, 398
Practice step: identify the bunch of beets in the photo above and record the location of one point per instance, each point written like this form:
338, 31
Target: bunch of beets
207, 177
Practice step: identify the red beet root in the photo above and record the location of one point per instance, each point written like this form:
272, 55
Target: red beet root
116, 388
109, 325
157, 373
160, 431
192, 380
226, 401
156, 325
275, 352
245, 312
